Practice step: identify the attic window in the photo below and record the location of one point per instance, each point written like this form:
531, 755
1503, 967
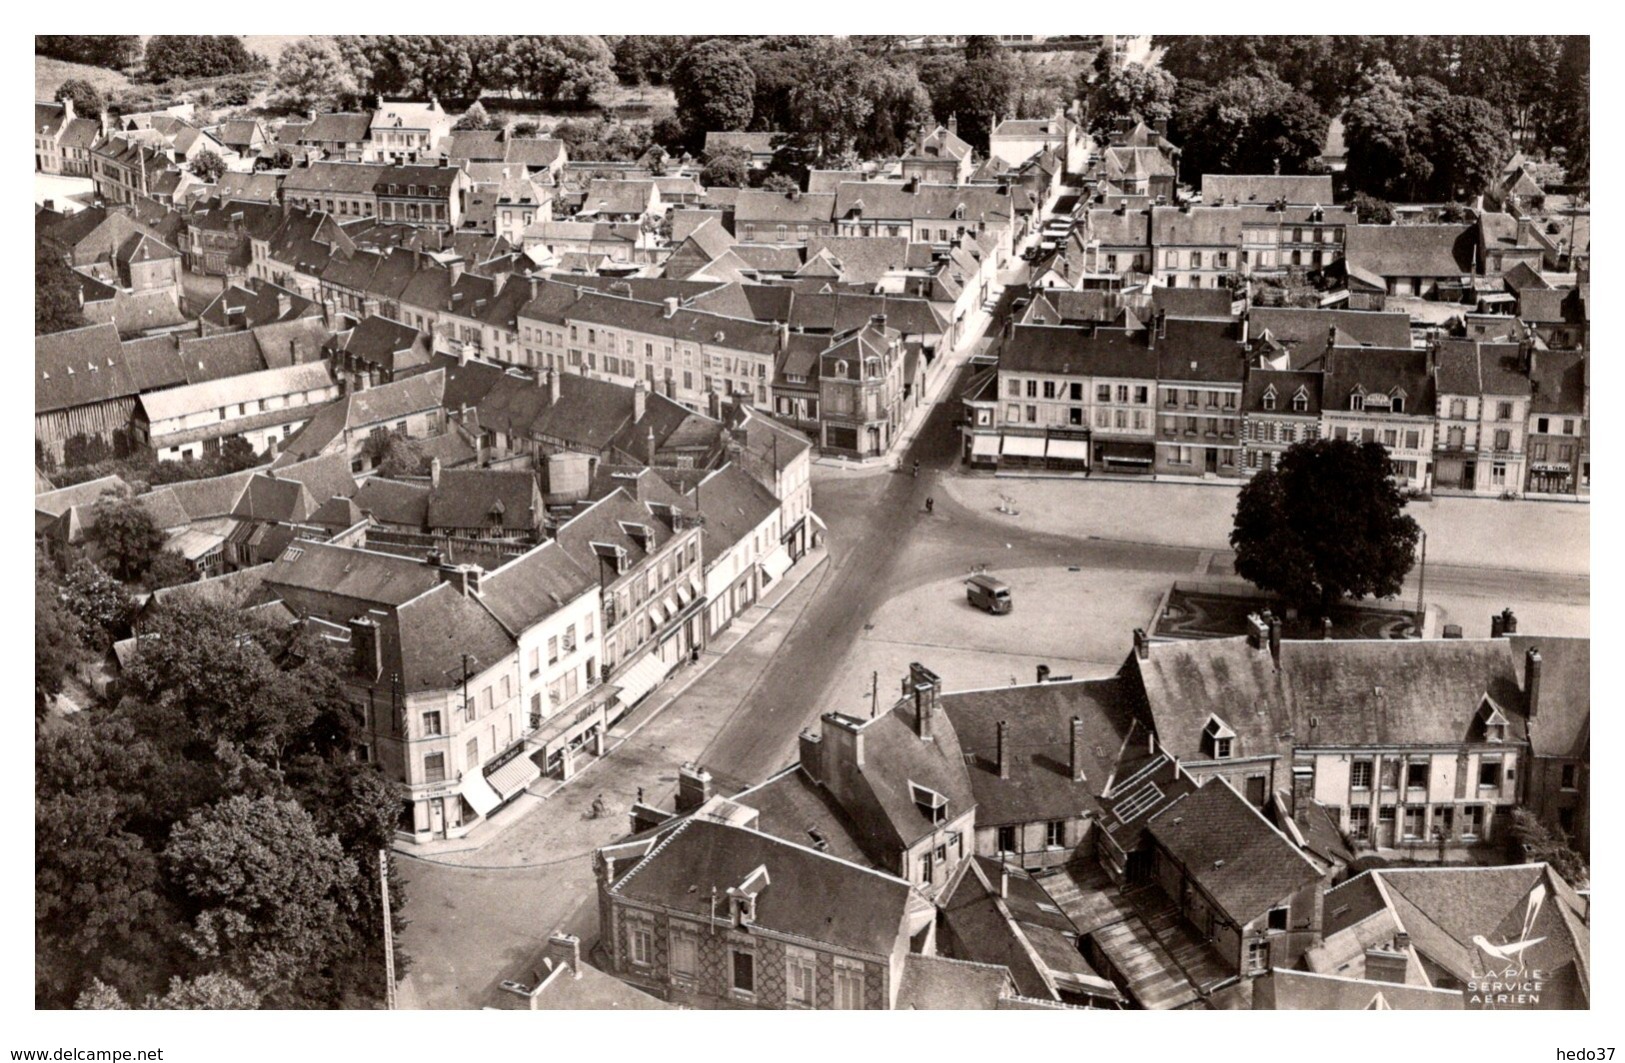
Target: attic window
1300, 400
1218, 740
1269, 397
819, 842
932, 805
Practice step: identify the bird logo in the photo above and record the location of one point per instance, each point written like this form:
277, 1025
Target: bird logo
1511, 953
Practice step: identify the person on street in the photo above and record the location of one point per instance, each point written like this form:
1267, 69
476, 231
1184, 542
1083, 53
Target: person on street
916, 468
930, 503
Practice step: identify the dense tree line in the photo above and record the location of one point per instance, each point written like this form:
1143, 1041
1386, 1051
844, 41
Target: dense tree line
112, 51
1479, 91
58, 305
206, 840
199, 55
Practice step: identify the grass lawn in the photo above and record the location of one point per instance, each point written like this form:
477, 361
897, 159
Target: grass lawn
51, 73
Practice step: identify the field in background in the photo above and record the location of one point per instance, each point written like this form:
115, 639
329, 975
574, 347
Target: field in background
50, 73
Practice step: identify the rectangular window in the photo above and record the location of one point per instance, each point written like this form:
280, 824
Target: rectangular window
1360, 775
434, 767
1049, 389
848, 989
553, 649
642, 943
800, 966
1258, 951
1489, 774
431, 724
1007, 839
1415, 821
1278, 918
1360, 822
1570, 773
684, 958
473, 759
1075, 391
1416, 775
744, 972
1472, 822
1055, 834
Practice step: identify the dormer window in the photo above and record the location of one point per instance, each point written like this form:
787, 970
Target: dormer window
1218, 740
1397, 401
840, 368
1300, 400
1269, 398
1357, 401
932, 805
1492, 720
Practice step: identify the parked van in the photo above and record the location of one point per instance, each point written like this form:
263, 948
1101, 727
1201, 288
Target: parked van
988, 594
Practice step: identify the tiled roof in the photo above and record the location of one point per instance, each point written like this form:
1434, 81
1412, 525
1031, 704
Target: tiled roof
233, 390
937, 983
1227, 846
1200, 226
468, 498
755, 207
1286, 384
1200, 351
1329, 693
1559, 381
808, 895
1468, 367
332, 178
1411, 250
360, 575
394, 502
1561, 724
1305, 330
1082, 351
80, 367
755, 143
887, 200
1379, 370
339, 128
532, 587
1311, 189
733, 505
1285, 990
1039, 785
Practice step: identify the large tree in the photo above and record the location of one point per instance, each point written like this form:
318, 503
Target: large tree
1467, 143
1249, 125
715, 89
1328, 523
728, 168
270, 895
198, 56
1572, 118
126, 536
982, 92
1135, 92
312, 76
58, 301
109, 50
88, 101
559, 67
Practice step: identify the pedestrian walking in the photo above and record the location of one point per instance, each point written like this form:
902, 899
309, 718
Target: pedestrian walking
916, 468
930, 503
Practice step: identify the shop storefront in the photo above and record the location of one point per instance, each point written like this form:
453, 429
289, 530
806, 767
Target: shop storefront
1123, 457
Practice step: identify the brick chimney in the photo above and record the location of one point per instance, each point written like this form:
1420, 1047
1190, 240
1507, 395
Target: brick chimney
1509, 622
284, 306
366, 647
640, 402
1303, 791
1531, 681
564, 950
434, 472
1077, 749
671, 304
553, 387
1004, 749
924, 684
810, 748
693, 787
1142, 644
1275, 640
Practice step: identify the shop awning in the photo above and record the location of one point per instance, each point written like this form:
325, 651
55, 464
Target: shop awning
636, 682
685, 593
656, 614
776, 564
1024, 446
513, 776
478, 793
1131, 453
1069, 449
984, 446
673, 606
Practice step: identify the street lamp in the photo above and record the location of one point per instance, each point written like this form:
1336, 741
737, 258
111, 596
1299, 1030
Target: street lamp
1421, 588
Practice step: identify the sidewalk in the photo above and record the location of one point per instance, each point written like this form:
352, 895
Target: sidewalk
545, 789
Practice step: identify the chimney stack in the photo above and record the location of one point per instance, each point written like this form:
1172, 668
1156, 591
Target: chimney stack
1531, 681
923, 684
1004, 749
366, 648
1077, 749
284, 306
671, 303
1495, 626
1142, 644
1303, 791
1509, 622
1275, 641
1043, 673
652, 448
564, 950
640, 401
1004, 880
693, 787
434, 472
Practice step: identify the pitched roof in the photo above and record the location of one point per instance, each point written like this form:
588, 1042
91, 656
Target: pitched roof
891, 200
756, 207
1039, 785
342, 127
359, 409
228, 391
1200, 350
1308, 189
1236, 855
1286, 384
1411, 250
1559, 382
1194, 302
733, 505
500, 498
80, 367
1378, 370
1469, 367
1305, 331
1329, 693
1561, 724
435, 630
1284, 990
808, 894
525, 591
332, 178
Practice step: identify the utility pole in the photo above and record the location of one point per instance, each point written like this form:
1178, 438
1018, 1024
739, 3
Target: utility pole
389, 931
1421, 588
874, 694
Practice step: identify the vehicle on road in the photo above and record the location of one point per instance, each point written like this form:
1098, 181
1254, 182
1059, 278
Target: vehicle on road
988, 594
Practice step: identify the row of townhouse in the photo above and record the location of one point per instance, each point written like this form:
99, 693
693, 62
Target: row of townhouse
1186, 397
1008, 821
